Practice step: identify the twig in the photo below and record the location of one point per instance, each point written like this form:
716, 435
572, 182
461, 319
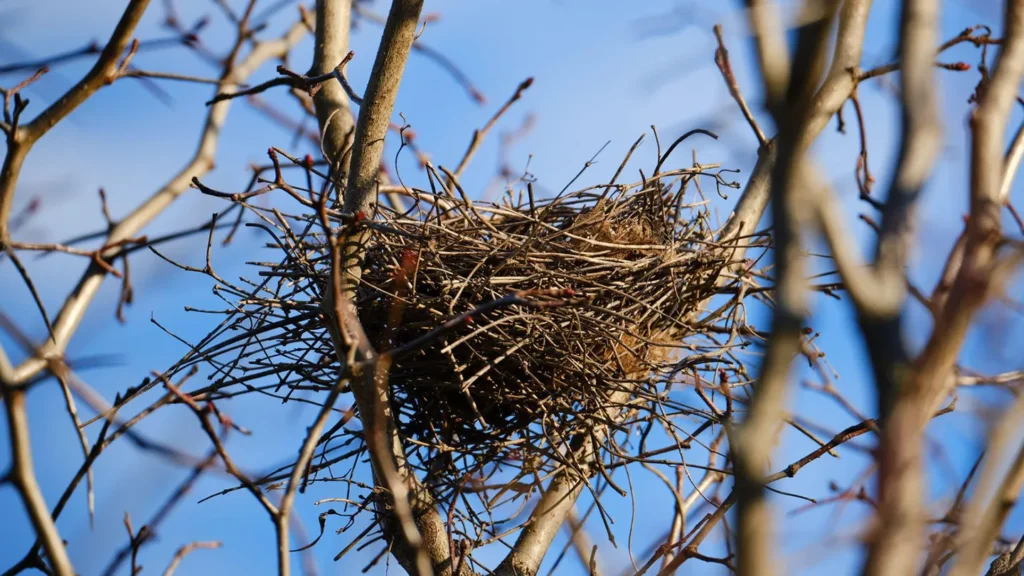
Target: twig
91, 49
312, 84
581, 542
32, 290
479, 135
169, 76
185, 551
725, 67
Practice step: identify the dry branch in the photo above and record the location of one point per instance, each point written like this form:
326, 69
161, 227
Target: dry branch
22, 475
21, 138
77, 303
751, 444
185, 551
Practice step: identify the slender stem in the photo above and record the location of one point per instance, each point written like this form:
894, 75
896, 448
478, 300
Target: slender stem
23, 477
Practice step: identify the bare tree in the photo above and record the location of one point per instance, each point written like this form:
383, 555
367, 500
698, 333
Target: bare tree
510, 361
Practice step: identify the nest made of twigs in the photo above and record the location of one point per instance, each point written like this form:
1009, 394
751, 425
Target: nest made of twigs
627, 270
511, 328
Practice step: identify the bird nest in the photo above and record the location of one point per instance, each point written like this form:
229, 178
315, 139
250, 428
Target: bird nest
512, 327
598, 289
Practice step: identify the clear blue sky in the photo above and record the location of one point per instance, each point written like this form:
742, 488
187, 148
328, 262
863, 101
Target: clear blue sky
605, 71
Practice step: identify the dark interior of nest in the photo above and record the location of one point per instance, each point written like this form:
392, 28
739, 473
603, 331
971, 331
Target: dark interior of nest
637, 263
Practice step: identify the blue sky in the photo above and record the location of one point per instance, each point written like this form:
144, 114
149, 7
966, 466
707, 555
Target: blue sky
604, 71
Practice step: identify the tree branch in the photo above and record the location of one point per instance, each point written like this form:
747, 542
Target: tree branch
21, 139
23, 476
559, 499
423, 547
882, 290
834, 92
981, 524
333, 24
879, 292
379, 102
202, 161
752, 442
908, 393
